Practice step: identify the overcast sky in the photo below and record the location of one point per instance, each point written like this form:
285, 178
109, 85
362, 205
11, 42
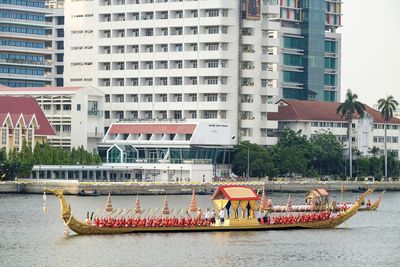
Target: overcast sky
371, 49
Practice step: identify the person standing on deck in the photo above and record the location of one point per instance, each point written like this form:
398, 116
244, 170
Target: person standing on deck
213, 215
222, 216
208, 215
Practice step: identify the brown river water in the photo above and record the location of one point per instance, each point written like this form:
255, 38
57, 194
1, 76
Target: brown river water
28, 237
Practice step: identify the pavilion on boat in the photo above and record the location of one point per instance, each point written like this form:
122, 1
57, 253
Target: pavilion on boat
317, 196
232, 198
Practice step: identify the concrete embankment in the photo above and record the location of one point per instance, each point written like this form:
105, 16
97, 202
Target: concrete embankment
132, 188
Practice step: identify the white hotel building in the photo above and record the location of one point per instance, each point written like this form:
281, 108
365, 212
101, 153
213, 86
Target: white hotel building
206, 60
177, 59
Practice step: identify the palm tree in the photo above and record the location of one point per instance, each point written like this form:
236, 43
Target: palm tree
387, 107
346, 110
374, 150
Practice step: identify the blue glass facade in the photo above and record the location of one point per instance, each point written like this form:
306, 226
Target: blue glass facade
310, 59
23, 45
313, 29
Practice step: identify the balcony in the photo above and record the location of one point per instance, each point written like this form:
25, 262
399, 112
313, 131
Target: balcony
95, 112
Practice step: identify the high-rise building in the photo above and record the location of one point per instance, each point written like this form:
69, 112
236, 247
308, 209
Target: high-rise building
311, 48
55, 17
25, 54
205, 60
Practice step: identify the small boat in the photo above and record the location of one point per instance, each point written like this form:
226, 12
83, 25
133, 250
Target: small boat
359, 189
233, 196
332, 206
373, 206
88, 193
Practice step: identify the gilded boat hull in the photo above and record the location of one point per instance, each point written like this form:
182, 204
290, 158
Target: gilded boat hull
80, 227
374, 206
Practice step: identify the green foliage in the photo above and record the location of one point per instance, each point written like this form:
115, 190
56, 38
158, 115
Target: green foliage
44, 154
387, 106
292, 153
19, 164
259, 158
296, 155
328, 153
351, 106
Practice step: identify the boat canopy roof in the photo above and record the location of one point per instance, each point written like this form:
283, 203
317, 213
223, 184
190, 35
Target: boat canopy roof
317, 193
235, 192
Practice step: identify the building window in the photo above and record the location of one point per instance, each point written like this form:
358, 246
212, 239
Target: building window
211, 80
66, 128
3, 136
192, 114
193, 97
66, 107
223, 114
212, 13
212, 46
177, 114
16, 137
222, 97
211, 97
78, 107
212, 63
210, 114
212, 30
29, 135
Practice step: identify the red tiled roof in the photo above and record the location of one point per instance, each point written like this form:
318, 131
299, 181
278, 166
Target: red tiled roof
3, 116
17, 105
301, 110
151, 128
39, 89
235, 192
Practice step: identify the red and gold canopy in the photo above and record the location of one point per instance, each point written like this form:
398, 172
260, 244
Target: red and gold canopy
235, 192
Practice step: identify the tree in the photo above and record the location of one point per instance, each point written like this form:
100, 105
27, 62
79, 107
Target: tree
327, 152
387, 106
346, 109
261, 163
8, 169
292, 153
374, 150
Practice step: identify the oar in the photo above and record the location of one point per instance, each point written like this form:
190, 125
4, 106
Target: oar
110, 213
126, 213
97, 211
148, 212
142, 213
176, 213
172, 210
154, 215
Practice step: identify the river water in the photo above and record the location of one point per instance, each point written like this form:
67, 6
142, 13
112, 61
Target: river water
31, 238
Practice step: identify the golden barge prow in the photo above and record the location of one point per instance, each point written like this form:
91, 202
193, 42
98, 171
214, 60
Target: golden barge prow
232, 224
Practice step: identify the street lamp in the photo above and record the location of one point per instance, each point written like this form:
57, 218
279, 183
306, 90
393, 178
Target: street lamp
154, 174
181, 173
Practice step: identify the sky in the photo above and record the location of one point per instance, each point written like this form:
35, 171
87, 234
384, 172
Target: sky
371, 49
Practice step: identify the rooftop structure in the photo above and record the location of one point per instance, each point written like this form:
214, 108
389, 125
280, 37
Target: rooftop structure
21, 118
169, 151
312, 117
76, 113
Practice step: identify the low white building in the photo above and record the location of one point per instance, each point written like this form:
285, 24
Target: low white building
312, 117
167, 151
76, 113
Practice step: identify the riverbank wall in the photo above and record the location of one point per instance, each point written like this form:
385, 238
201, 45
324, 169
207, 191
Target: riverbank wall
73, 187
